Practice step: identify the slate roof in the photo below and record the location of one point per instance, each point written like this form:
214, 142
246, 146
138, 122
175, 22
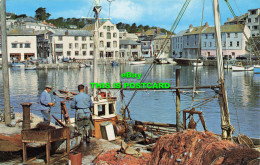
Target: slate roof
61, 32
21, 32
226, 28
128, 42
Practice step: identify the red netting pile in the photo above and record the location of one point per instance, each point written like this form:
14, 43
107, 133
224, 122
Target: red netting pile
118, 158
193, 147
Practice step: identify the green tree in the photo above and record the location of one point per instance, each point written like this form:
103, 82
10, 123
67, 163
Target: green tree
41, 14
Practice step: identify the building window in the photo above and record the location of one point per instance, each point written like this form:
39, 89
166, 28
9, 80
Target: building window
101, 34
21, 45
76, 38
59, 46
14, 45
206, 36
249, 20
76, 45
108, 28
59, 53
60, 38
70, 45
248, 27
114, 35
255, 28
236, 35
27, 45
230, 44
228, 35
112, 27
101, 53
108, 35
91, 53
125, 46
237, 43
84, 46
224, 44
108, 44
91, 45
68, 53
84, 53
76, 53
104, 27
210, 44
114, 44
83, 38
253, 12
205, 44
256, 20
101, 44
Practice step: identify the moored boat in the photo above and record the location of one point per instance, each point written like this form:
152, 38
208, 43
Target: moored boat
257, 69
17, 64
200, 63
240, 67
137, 62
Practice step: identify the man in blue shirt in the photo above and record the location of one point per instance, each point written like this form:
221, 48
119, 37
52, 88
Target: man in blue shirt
45, 104
82, 103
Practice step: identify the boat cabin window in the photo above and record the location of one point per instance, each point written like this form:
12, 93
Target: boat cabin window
101, 110
111, 109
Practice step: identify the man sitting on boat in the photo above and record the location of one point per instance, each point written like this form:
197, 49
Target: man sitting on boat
82, 103
45, 104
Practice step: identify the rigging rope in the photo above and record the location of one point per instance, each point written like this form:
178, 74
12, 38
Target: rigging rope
174, 26
198, 52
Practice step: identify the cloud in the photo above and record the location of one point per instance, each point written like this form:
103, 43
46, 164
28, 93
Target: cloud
126, 10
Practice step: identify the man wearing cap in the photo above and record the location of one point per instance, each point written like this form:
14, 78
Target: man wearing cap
82, 103
45, 104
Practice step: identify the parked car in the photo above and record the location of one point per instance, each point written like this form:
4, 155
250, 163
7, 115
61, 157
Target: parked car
243, 57
211, 58
227, 57
66, 59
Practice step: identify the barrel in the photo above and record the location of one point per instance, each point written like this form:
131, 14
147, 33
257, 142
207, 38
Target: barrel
75, 158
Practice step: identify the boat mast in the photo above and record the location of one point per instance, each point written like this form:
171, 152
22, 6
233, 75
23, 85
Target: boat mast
5, 65
223, 102
97, 10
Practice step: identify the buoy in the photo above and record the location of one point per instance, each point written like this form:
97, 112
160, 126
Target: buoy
75, 158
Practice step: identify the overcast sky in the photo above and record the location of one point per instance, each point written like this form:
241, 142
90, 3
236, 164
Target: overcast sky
160, 13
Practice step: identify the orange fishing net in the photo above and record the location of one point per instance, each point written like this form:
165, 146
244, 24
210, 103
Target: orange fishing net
193, 147
118, 158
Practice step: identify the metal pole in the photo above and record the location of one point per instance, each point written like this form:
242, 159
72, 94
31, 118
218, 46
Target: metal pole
223, 102
5, 65
96, 9
178, 104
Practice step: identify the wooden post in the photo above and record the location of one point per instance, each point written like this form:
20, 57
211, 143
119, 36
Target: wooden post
26, 116
24, 153
5, 65
178, 104
223, 102
68, 140
48, 149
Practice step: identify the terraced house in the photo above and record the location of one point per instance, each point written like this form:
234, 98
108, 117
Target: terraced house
108, 40
233, 40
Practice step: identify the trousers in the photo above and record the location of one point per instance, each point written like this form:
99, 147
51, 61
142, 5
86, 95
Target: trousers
83, 121
46, 116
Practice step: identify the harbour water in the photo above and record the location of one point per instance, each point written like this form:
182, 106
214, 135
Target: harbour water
243, 90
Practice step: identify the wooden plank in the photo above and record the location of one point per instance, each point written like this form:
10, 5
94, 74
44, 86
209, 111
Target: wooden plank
24, 152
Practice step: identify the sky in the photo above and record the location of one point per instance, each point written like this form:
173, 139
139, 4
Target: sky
160, 13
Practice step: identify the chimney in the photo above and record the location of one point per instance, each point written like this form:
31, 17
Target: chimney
158, 31
206, 24
66, 33
190, 28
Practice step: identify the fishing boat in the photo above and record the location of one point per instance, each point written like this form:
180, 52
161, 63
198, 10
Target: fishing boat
30, 67
257, 69
82, 65
137, 62
17, 64
161, 61
200, 63
240, 67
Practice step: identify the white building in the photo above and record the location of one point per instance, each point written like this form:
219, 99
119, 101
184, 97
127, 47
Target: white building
108, 40
74, 44
253, 21
21, 44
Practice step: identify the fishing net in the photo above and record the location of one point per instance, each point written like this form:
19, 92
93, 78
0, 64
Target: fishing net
193, 147
119, 158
